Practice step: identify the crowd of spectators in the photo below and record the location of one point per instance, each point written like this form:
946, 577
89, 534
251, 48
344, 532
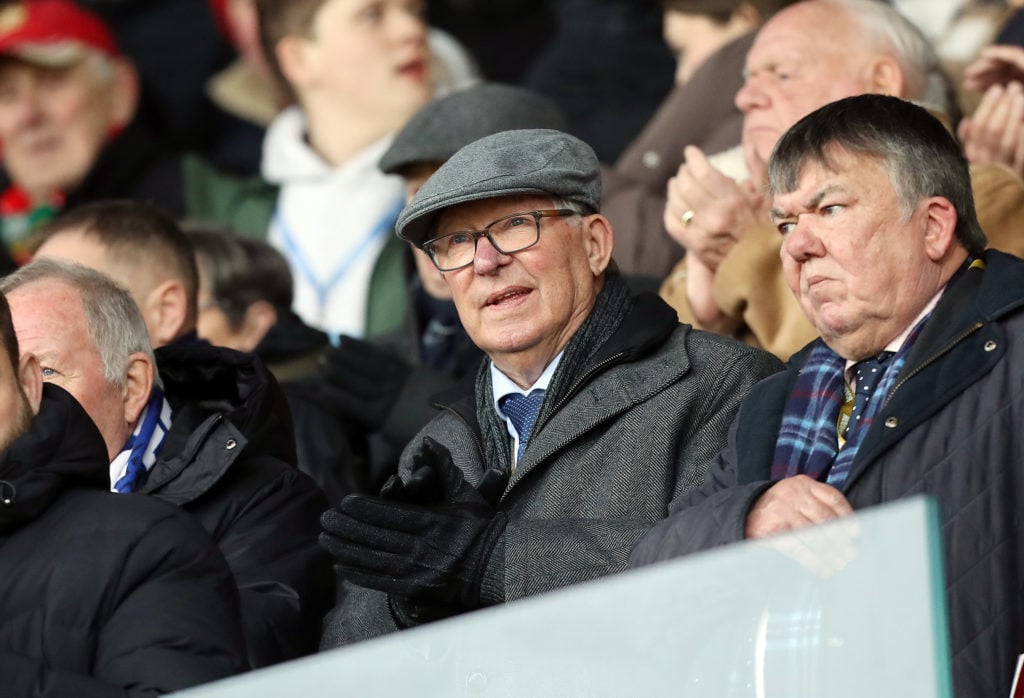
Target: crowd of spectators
391, 310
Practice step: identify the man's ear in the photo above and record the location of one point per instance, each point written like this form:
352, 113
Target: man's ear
30, 377
939, 227
296, 57
259, 318
885, 77
138, 384
598, 241
165, 312
124, 94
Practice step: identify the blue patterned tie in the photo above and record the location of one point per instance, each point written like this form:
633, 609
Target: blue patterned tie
868, 373
522, 410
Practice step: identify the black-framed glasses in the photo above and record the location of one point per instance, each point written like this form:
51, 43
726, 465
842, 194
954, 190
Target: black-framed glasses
509, 234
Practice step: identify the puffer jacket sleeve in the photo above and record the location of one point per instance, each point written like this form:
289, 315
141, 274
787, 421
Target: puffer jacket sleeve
284, 578
171, 622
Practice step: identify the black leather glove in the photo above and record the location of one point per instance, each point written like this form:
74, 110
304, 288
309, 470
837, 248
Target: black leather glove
435, 555
362, 381
434, 479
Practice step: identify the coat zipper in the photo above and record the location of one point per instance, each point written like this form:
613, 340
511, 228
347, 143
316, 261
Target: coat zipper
934, 357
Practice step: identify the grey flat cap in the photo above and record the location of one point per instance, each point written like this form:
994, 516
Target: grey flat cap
439, 129
535, 161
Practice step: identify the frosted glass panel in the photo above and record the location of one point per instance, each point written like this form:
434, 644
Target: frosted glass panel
850, 609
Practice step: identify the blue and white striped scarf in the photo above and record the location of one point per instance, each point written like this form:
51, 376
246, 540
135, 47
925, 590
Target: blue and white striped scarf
130, 467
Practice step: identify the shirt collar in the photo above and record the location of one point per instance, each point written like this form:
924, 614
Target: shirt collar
502, 385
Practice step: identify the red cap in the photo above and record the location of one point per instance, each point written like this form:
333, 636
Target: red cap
52, 32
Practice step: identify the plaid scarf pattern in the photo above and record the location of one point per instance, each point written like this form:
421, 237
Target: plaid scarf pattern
807, 437
808, 443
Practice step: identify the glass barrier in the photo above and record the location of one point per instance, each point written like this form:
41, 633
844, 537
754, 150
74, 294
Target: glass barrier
849, 609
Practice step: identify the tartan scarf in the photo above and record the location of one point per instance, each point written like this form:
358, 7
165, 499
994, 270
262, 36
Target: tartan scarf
808, 442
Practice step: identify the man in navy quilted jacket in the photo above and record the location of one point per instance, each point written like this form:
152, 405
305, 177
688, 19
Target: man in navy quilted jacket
913, 385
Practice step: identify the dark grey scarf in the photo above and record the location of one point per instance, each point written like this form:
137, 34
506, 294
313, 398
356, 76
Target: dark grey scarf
610, 307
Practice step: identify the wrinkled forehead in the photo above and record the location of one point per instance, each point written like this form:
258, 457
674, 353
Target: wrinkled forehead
803, 34
476, 214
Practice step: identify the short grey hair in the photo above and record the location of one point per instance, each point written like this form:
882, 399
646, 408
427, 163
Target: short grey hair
884, 28
113, 319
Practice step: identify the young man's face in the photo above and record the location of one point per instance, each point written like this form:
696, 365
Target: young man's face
371, 56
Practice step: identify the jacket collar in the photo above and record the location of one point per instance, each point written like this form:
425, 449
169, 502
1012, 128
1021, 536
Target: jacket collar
218, 396
62, 448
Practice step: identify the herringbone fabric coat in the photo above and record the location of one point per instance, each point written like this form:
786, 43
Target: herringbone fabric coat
603, 465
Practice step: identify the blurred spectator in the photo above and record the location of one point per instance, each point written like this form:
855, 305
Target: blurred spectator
606, 67
245, 298
357, 73
203, 427
994, 131
710, 39
246, 95
68, 107
140, 247
101, 595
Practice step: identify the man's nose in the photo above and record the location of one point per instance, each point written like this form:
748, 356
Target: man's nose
801, 242
24, 106
488, 258
750, 96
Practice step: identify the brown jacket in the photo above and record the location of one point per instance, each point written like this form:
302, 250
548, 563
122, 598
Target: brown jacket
700, 112
749, 285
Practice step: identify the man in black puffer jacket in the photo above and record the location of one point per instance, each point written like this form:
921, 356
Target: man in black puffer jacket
212, 434
101, 595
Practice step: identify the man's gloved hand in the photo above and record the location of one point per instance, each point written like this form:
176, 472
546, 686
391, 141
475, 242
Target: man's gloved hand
434, 479
362, 381
426, 539
434, 555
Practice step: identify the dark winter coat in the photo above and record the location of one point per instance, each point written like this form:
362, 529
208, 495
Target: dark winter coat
950, 428
102, 594
229, 461
637, 429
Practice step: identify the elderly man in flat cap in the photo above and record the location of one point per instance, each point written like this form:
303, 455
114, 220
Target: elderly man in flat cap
593, 410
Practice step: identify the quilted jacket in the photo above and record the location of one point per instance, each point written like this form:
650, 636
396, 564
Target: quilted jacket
229, 461
951, 427
102, 595
637, 429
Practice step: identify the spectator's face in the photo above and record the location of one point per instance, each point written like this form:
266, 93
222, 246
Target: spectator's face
803, 58
530, 303
54, 121
50, 322
370, 57
858, 266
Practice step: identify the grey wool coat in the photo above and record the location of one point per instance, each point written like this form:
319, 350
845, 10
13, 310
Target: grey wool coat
641, 418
